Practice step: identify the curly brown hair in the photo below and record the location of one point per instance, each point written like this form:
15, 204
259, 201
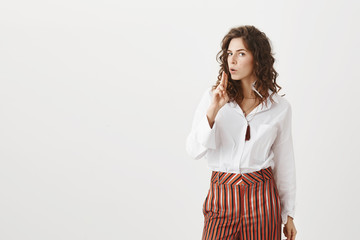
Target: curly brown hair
259, 45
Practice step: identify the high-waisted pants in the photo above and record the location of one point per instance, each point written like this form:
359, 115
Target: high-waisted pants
242, 207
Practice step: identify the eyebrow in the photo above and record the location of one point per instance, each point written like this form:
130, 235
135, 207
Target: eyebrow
237, 50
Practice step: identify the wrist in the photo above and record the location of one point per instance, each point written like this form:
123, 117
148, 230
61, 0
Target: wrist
214, 107
212, 111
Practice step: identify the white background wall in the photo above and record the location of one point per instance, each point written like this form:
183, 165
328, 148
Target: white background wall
97, 98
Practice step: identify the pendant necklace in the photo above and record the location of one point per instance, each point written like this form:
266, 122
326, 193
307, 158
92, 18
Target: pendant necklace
247, 135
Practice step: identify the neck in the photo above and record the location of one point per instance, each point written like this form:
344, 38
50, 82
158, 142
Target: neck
246, 85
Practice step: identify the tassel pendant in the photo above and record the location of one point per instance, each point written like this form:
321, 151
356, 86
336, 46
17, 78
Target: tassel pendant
247, 136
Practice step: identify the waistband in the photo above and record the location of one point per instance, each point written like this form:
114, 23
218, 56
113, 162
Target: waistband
241, 178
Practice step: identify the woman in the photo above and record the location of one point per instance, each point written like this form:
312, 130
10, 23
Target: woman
243, 128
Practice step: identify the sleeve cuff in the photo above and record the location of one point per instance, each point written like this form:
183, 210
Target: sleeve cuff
284, 216
206, 135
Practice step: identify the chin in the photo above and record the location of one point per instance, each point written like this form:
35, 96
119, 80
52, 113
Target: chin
235, 78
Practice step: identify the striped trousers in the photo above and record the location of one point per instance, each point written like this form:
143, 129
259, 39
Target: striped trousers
242, 207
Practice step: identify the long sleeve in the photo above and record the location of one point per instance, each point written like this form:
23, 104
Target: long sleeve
284, 169
201, 137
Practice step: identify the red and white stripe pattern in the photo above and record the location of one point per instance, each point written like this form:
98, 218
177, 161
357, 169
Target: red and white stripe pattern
242, 206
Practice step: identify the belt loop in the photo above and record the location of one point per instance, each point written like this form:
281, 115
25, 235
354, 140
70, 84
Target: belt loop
218, 177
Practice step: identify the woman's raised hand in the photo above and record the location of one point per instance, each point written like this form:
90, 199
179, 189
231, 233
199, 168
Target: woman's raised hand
220, 96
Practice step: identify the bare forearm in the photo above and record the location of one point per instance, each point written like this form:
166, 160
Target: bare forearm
211, 114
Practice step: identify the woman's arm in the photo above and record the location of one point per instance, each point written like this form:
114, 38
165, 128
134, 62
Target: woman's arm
202, 135
284, 169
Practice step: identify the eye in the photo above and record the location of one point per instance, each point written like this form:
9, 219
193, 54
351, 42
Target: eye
239, 54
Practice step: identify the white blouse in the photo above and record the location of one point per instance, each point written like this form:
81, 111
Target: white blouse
270, 143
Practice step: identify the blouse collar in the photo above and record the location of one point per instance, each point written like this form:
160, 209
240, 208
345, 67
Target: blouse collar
262, 106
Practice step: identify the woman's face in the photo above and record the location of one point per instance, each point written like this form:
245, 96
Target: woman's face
241, 60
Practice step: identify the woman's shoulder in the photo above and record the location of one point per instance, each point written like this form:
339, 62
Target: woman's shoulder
280, 99
284, 101
283, 105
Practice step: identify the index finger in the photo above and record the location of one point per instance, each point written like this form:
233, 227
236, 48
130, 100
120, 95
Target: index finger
222, 82
226, 80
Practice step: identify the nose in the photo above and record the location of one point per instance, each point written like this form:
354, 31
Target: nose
232, 60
